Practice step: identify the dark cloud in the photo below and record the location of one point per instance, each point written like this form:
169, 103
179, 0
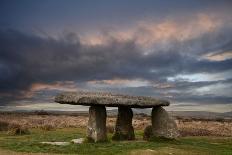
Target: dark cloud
177, 92
29, 58
203, 99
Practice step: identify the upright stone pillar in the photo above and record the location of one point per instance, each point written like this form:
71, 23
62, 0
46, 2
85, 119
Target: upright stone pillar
162, 124
96, 129
124, 129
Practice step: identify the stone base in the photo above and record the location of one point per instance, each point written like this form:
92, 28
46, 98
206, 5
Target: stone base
162, 124
96, 129
124, 129
147, 133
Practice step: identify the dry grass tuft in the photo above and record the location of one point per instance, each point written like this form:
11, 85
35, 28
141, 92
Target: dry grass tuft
4, 125
15, 129
47, 127
110, 129
202, 127
194, 132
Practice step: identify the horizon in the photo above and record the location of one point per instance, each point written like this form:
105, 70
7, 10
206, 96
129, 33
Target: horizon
85, 109
176, 50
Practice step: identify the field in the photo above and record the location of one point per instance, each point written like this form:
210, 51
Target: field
198, 136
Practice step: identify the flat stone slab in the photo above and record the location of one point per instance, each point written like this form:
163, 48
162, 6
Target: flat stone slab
108, 99
56, 143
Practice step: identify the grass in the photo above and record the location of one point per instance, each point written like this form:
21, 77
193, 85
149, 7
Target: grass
186, 145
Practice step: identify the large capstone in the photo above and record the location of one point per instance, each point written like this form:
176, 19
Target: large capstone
108, 99
124, 129
162, 124
96, 129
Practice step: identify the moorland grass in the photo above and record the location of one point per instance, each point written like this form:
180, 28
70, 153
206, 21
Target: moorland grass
186, 145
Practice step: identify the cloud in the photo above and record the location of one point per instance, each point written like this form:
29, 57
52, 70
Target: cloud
160, 34
219, 56
31, 63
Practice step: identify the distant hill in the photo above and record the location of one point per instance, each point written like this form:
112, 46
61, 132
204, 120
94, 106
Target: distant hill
227, 114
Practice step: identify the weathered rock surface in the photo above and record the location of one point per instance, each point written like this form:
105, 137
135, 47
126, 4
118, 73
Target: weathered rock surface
78, 141
96, 129
124, 129
162, 124
108, 99
56, 143
147, 134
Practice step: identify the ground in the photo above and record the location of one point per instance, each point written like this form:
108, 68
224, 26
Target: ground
198, 136
186, 145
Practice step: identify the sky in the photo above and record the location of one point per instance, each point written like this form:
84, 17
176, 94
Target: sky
176, 50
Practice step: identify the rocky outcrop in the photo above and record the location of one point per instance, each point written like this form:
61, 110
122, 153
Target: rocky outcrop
96, 129
162, 124
124, 129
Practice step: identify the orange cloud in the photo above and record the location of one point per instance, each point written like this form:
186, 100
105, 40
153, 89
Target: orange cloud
218, 56
54, 86
120, 82
36, 87
149, 34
